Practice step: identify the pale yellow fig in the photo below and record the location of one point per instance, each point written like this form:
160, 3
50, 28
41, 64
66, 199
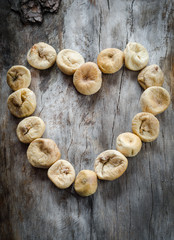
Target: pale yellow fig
87, 78
110, 164
146, 126
136, 56
18, 77
41, 56
86, 183
151, 76
110, 60
43, 152
30, 128
22, 103
155, 100
128, 144
62, 174
69, 60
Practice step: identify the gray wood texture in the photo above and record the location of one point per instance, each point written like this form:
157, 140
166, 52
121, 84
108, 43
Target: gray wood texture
140, 204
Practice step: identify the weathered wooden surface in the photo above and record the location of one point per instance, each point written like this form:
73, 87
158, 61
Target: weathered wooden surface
139, 205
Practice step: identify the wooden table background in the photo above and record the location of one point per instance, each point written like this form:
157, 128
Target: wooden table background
140, 204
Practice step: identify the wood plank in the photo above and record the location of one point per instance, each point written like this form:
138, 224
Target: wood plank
140, 204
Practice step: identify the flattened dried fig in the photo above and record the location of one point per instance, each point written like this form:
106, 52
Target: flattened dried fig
86, 183
30, 128
87, 78
151, 76
18, 77
22, 103
110, 60
146, 126
41, 56
155, 100
128, 144
110, 164
43, 152
69, 60
136, 56
62, 174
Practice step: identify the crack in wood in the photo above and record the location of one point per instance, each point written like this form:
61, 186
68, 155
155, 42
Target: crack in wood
151, 213
130, 218
99, 36
108, 5
132, 16
119, 94
117, 109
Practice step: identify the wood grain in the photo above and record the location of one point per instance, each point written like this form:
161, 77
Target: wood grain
140, 204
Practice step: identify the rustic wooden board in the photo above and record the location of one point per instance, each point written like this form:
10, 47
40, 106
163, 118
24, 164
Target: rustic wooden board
139, 205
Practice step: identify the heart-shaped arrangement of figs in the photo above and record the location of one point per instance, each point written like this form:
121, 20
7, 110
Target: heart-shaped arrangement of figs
87, 79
